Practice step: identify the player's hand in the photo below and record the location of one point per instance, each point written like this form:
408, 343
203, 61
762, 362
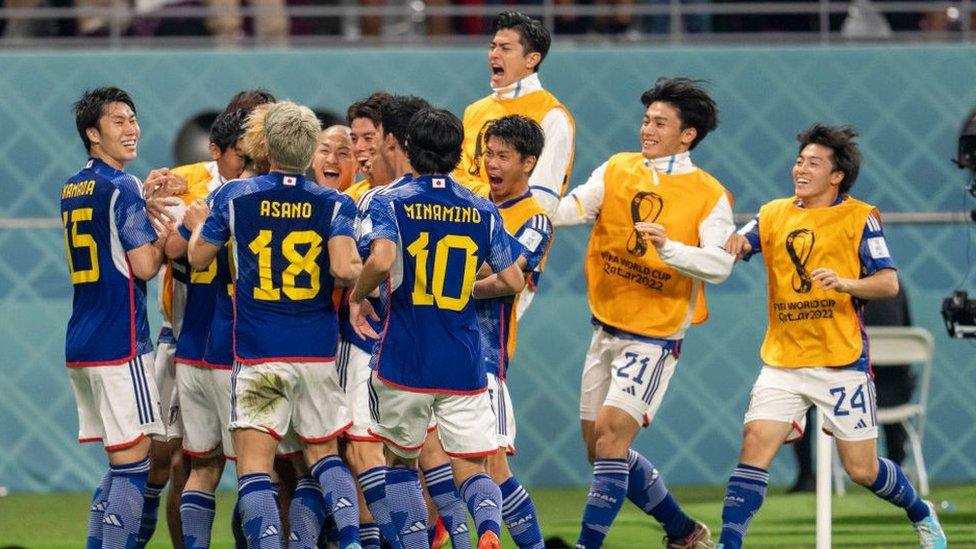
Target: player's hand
163, 182
655, 232
828, 280
359, 312
163, 230
196, 214
160, 207
738, 245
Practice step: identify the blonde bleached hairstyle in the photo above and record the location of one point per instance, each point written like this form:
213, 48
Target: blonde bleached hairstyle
253, 142
292, 132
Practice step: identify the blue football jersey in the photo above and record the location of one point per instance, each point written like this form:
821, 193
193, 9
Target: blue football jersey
497, 318
201, 294
220, 338
443, 233
280, 225
104, 216
346, 331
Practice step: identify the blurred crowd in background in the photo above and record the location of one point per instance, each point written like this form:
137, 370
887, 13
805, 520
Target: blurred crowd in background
277, 22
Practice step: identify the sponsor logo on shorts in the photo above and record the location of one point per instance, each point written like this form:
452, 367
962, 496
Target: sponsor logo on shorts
861, 424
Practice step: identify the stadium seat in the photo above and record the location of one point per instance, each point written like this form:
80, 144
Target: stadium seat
891, 345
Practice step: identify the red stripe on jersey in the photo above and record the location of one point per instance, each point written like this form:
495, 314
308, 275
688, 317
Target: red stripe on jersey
81, 364
204, 454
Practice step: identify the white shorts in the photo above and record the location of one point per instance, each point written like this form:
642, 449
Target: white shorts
164, 370
354, 372
277, 396
501, 405
205, 402
626, 373
117, 404
402, 419
845, 397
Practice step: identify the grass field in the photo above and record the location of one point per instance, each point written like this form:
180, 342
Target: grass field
860, 519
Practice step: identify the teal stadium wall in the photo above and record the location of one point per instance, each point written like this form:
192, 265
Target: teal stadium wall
907, 101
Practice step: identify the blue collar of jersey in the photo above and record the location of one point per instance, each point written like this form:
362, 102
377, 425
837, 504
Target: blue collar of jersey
513, 201
840, 198
100, 166
290, 179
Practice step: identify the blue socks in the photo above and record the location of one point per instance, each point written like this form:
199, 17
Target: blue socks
341, 500
150, 513
520, 515
369, 536
259, 513
408, 510
440, 486
373, 485
646, 489
484, 500
197, 511
306, 513
237, 526
743, 498
123, 512
893, 486
97, 511
606, 497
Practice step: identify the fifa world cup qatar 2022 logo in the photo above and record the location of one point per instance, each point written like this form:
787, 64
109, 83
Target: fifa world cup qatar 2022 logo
645, 206
799, 246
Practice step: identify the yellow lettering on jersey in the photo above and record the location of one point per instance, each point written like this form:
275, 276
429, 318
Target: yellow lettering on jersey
81, 188
439, 212
285, 210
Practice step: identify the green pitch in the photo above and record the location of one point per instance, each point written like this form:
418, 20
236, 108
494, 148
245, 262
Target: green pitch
860, 519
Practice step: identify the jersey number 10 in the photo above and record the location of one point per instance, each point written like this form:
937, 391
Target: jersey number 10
298, 263
420, 251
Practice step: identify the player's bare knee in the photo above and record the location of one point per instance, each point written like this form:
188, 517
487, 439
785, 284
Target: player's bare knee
863, 472
498, 467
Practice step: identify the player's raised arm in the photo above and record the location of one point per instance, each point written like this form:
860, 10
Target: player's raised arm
583, 203
344, 261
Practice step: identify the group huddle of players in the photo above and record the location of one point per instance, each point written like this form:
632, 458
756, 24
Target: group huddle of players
343, 336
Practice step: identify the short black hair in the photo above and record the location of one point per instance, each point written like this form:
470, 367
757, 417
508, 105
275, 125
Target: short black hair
396, 113
521, 132
248, 99
91, 106
434, 139
846, 156
369, 107
696, 108
228, 128
533, 35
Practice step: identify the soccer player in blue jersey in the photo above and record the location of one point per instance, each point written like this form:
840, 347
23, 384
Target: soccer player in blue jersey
112, 250
291, 241
203, 387
364, 451
427, 238
512, 146
825, 254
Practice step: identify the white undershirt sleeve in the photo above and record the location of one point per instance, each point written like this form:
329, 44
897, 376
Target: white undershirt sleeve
583, 203
546, 181
709, 262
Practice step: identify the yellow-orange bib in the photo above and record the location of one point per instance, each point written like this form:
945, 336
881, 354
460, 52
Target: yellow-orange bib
810, 326
629, 286
536, 105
